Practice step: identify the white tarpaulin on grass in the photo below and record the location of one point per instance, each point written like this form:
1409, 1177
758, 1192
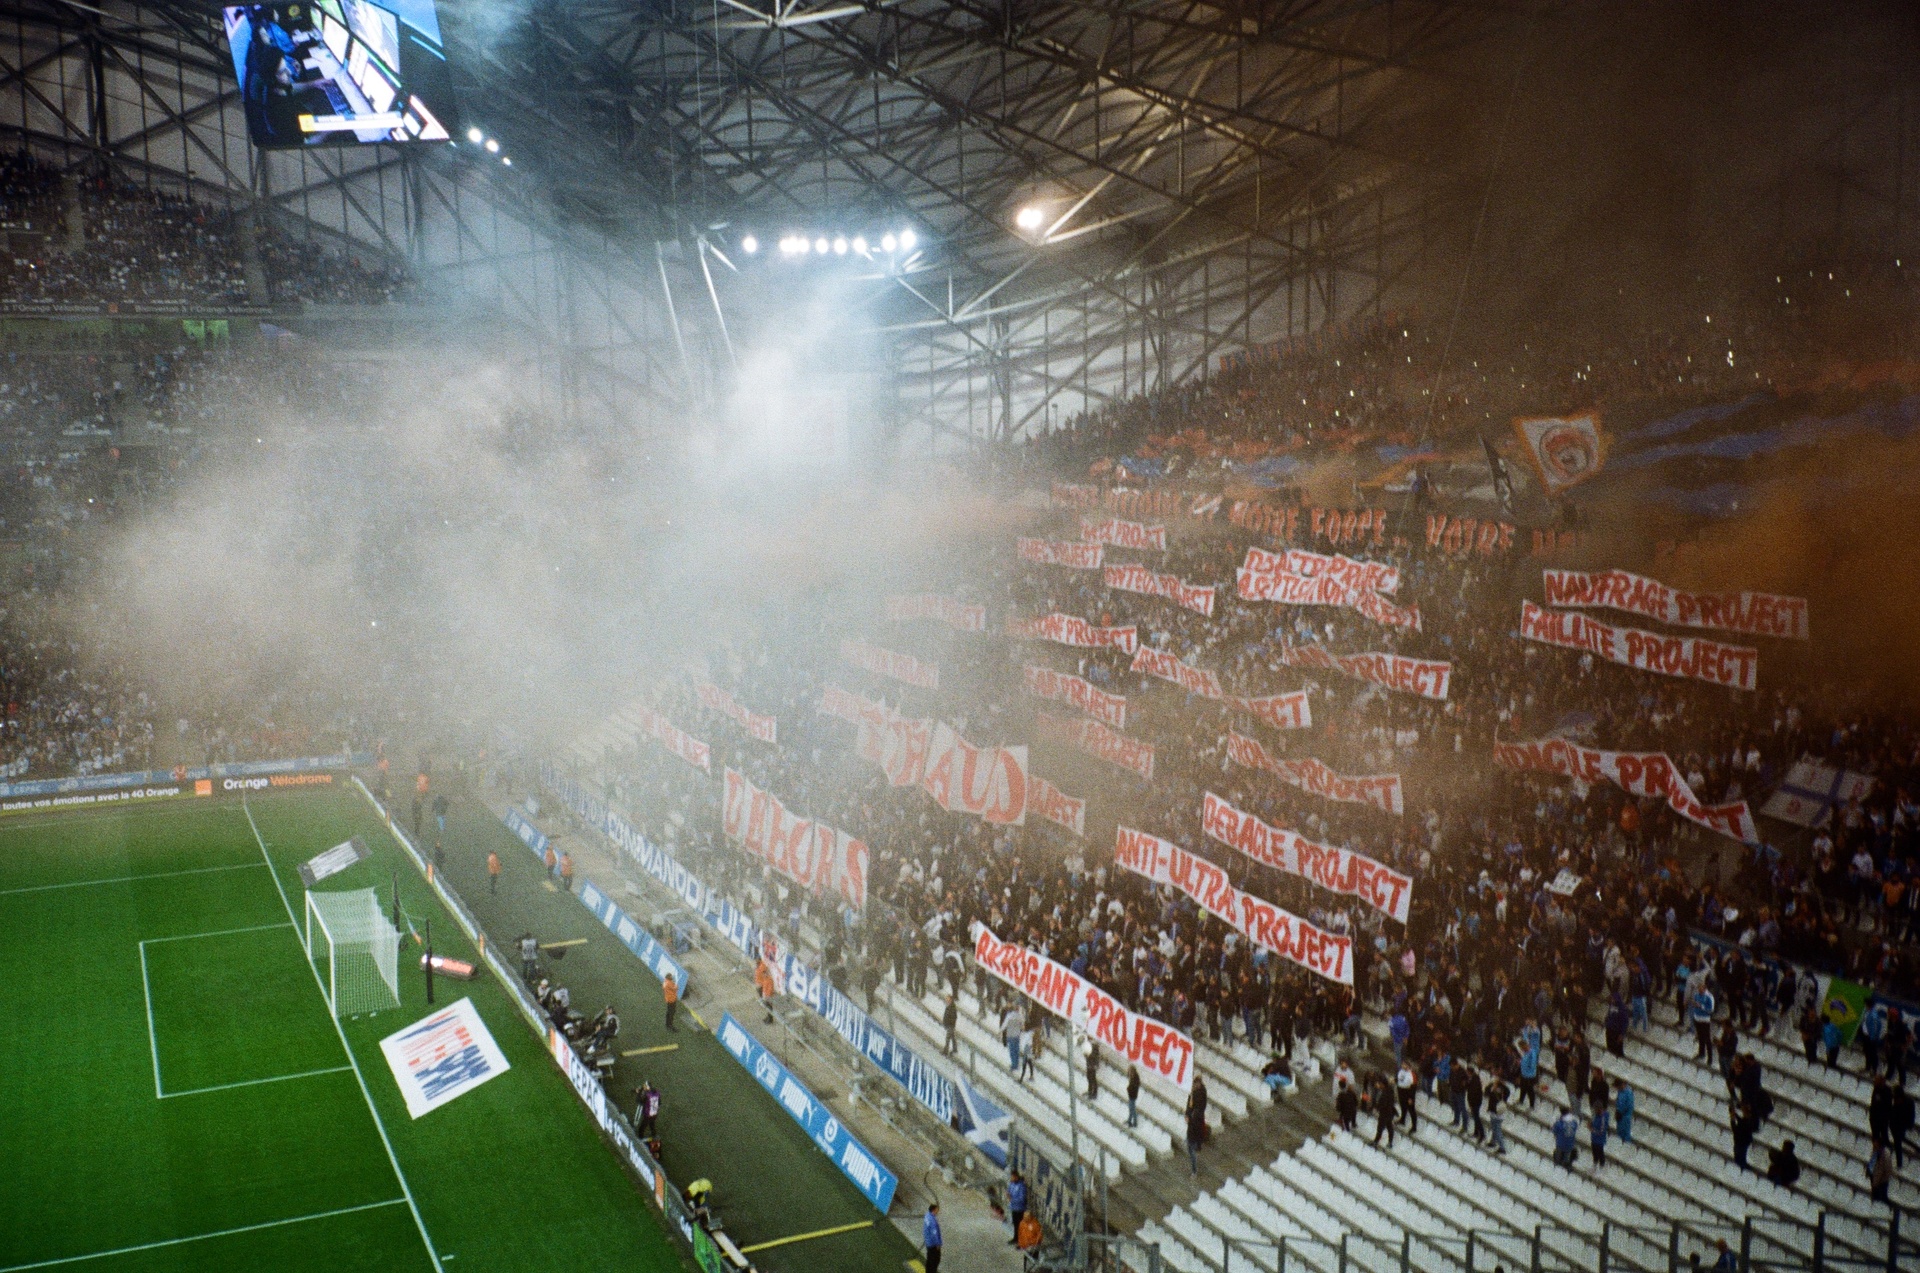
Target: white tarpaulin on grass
441, 1056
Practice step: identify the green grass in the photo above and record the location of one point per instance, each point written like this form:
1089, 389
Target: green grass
140, 1021
770, 1180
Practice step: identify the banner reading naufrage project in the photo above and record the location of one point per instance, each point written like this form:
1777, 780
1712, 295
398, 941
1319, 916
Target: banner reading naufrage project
1750, 613
1335, 869
811, 854
1644, 773
1266, 925
1159, 1050
1694, 658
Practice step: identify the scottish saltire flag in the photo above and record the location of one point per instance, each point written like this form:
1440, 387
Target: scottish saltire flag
1813, 791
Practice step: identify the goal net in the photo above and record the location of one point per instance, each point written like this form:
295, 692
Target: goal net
356, 951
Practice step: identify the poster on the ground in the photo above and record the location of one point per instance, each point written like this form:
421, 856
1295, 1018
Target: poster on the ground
441, 1056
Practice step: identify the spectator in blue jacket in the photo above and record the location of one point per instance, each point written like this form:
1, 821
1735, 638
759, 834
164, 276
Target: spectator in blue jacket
1016, 1203
930, 1237
1566, 1138
1700, 1012
1623, 1110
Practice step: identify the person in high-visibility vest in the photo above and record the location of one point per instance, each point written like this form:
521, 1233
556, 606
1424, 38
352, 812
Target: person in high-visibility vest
566, 871
552, 860
670, 991
493, 872
763, 982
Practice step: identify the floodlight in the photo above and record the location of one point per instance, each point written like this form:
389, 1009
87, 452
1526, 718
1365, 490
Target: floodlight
749, 245
820, 246
1029, 218
493, 147
505, 160
889, 243
475, 135
860, 244
839, 247
907, 240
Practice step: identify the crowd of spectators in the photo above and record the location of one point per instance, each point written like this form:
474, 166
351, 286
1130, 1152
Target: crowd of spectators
96, 238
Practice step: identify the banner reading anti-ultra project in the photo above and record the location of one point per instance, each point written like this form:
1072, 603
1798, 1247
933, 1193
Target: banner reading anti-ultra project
1158, 1049
1643, 773
1695, 658
1263, 923
1335, 869
1750, 613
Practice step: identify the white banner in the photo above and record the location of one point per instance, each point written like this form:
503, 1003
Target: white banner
1137, 578
1069, 629
1643, 773
1331, 583
1282, 711
681, 744
988, 782
1055, 552
443, 1055
1366, 576
1389, 671
1694, 658
1159, 1050
715, 699
1096, 739
898, 744
1382, 791
1055, 805
1749, 613
889, 663
813, 855
1168, 668
1272, 927
1334, 869
951, 611
1122, 534
1044, 682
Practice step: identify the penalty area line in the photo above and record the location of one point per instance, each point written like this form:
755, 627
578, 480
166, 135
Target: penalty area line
203, 1237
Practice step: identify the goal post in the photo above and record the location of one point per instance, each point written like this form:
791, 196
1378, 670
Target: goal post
355, 949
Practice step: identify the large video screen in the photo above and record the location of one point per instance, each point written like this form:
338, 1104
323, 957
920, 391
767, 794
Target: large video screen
341, 72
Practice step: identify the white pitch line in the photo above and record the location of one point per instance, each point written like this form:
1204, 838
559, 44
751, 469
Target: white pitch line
153, 1040
218, 932
278, 1078
365, 1094
202, 1237
128, 879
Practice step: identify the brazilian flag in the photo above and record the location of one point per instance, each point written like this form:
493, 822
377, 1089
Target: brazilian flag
1845, 1003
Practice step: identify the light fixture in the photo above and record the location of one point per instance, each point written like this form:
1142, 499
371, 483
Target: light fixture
1029, 218
860, 244
889, 243
820, 246
907, 240
475, 135
839, 247
507, 161
749, 245
493, 147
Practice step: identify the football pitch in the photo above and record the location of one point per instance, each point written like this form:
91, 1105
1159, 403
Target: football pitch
175, 1094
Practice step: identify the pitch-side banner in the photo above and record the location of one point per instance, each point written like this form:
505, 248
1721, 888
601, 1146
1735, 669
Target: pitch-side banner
1044, 682
813, 855
1282, 711
1168, 668
1646, 773
715, 699
1096, 739
951, 611
1123, 534
1070, 629
1137, 578
681, 744
1159, 1050
890, 663
988, 782
1056, 552
1390, 671
1695, 658
1334, 869
1382, 791
1749, 613
1055, 805
1273, 927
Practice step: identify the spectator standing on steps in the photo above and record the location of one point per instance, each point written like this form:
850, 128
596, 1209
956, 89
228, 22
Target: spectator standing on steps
930, 1237
1346, 1105
1700, 1012
440, 807
950, 1022
1196, 1122
1016, 1202
763, 986
1093, 1067
1133, 1096
1011, 1023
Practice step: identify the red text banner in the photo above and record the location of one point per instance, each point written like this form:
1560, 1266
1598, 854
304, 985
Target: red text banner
1372, 576
813, 855
1137, 578
1056, 552
1123, 534
681, 744
1263, 923
1096, 739
1335, 869
1282, 711
1044, 682
1158, 1049
898, 744
1322, 580
1382, 791
1389, 671
1695, 658
989, 783
1337, 526
1069, 629
715, 699
951, 611
1055, 805
1168, 668
890, 663
1648, 773
1748, 613
843, 703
